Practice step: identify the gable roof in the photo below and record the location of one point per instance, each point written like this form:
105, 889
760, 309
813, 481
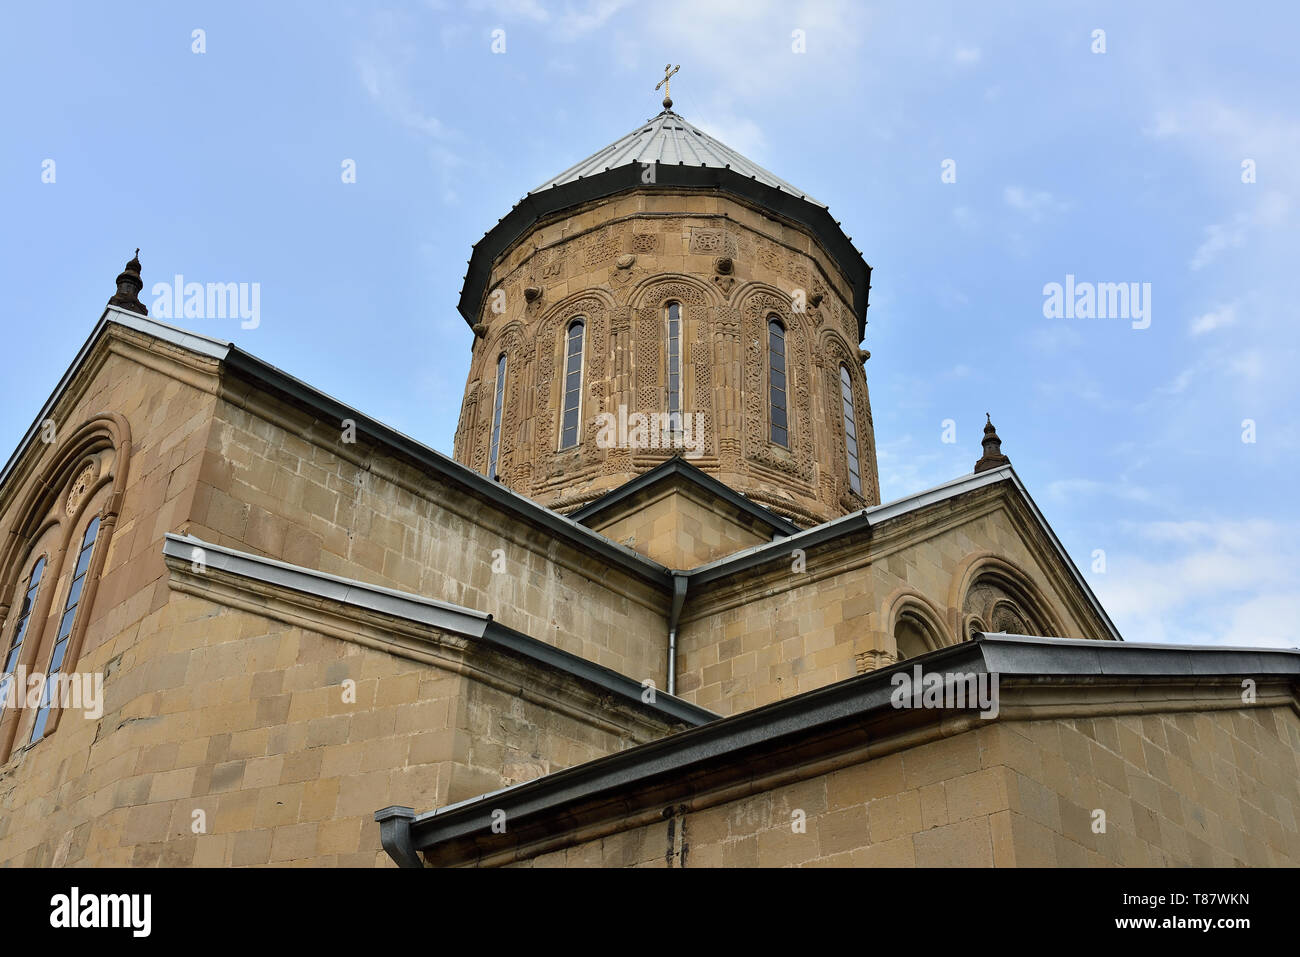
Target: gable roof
279, 383
678, 467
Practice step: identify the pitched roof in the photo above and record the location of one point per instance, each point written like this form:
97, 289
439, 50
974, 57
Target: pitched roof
804, 727
470, 623
670, 139
276, 382
679, 467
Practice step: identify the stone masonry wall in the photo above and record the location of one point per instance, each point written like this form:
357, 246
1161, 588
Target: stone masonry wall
1205, 789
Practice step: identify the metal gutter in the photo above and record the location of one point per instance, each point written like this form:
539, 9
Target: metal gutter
844, 525
328, 408
867, 519
842, 705
456, 619
679, 598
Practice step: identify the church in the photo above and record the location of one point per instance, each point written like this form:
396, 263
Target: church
652, 612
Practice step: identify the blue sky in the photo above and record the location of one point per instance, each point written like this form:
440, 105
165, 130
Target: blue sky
1122, 166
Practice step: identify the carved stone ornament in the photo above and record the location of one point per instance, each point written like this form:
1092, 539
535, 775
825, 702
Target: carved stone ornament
80, 487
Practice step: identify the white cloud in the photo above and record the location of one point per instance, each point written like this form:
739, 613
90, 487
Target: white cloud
1071, 489
1035, 204
382, 66
966, 55
1215, 319
1219, 237
1234, 579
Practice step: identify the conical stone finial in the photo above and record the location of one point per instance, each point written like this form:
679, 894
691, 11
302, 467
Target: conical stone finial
992, 457
129, 285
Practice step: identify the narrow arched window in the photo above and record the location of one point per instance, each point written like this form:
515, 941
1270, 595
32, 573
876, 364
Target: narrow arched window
776, 383
850, 430
15, 648
674, 366
65, 626
572, 386
497, 403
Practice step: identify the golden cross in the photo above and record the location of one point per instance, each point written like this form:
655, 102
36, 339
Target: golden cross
669, 70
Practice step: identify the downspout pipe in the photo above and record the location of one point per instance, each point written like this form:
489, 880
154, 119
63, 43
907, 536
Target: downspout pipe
395, 835
679, 599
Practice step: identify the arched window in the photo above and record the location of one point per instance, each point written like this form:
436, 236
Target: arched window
572, 386
497, 403
674, 366
910, 638
20, 631
776, 382
850, 430
65, 626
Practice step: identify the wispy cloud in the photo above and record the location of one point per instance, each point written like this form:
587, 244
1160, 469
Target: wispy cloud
1214, 319
1221, 582
383, 64
1036, 204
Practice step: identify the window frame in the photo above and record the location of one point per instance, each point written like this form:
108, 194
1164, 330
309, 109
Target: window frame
498, 413
675, 325
774, 322
80, 593
578, 322
849, 417
22, 624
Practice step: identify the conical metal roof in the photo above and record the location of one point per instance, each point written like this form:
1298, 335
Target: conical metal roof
670, 140
687, 158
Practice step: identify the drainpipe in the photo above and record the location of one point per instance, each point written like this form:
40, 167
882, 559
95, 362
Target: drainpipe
679, 599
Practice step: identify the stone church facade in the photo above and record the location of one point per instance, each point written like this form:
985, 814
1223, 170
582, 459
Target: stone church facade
570, 649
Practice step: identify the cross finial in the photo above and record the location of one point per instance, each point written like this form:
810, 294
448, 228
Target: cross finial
669, 70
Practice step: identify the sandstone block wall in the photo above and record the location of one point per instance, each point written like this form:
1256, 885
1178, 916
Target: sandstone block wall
789, 629
1205, 788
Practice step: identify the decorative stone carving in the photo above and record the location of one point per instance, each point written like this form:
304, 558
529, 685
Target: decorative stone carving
80, 487
707, 241
797, 460
724, 362
601, 246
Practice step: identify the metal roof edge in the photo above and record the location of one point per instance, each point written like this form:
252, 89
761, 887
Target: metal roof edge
446, 616
851, 699
844, 525
1071, 568
275, 380
682, 467
112, 315
535, 206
